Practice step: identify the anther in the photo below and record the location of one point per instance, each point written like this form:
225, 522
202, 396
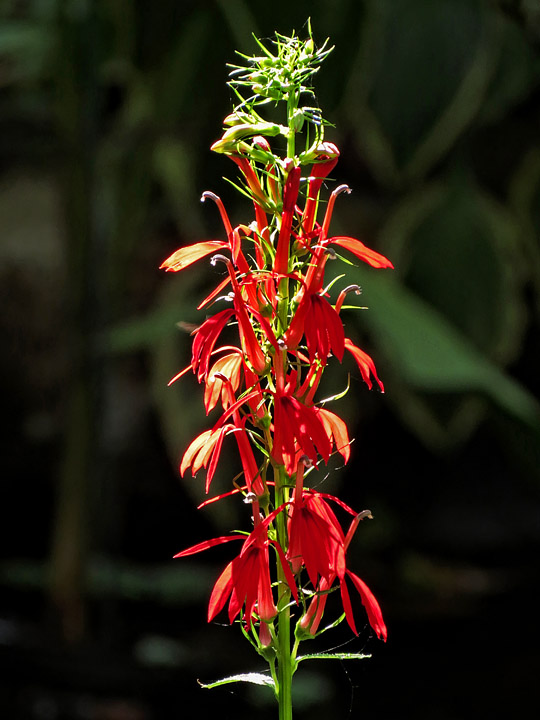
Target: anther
219, 258
306, 462
207, 194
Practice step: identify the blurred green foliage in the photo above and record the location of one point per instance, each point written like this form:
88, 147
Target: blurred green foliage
113, 104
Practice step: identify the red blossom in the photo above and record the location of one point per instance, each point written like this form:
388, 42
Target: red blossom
313, 616
229, 366
361, 251
205, 338
290, 194
204, 452
324, 330
185, 256
365, 364
246, 581
336, 429
298, 429
316, 539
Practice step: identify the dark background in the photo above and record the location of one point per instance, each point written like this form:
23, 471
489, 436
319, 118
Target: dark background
107, 112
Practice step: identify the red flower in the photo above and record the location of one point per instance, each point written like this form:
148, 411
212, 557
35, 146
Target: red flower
365, 364
371, 257
327, 159
322, 326
324, 330
205, 338
313, 616
185, 256
246, 582
290, 195
229, 366
298, 429
316, 539
336, 429
204, 452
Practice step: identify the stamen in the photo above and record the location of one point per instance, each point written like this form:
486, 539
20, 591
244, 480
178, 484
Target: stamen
350, 288
353, 288
207, 194
306, 461
219, 258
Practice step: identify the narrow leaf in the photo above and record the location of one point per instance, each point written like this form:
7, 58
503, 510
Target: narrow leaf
254, 678
334, 656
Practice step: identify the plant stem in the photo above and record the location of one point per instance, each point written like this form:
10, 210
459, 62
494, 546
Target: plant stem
284, 658
285, 665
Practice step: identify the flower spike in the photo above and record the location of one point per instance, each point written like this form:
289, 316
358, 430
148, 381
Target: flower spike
285, 328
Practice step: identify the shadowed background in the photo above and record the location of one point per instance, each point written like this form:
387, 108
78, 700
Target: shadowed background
107, 112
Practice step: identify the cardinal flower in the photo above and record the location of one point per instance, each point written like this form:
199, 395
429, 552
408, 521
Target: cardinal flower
365, 364
186, 256
313, 616
320, 323
230, 366
298, 429
246, 581
316, 539
204, 452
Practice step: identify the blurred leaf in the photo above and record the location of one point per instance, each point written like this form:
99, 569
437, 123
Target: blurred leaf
517, 73
241, 22
170, 584
459, 250
25, 49
175, 78
422, 73
429, 354
143, 333
174, 167
525, 200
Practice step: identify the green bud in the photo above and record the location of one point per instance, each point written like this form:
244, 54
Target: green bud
297, 120
228, 142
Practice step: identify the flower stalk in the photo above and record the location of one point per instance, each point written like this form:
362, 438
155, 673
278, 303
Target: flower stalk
267, 385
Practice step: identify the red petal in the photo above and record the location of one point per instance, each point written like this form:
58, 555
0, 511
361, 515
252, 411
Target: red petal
346, 600
365, 364
205, 338
206, 544
336, 427
193, 449
372, 606
220, 593
185, 256
361, 251
208, 299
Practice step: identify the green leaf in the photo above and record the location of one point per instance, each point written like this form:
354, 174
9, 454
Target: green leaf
460, 250
429, 354
253, 678
333, 656
413, 93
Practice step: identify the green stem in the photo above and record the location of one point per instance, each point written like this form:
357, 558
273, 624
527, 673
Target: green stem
285, 669
292, 104
284, 656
